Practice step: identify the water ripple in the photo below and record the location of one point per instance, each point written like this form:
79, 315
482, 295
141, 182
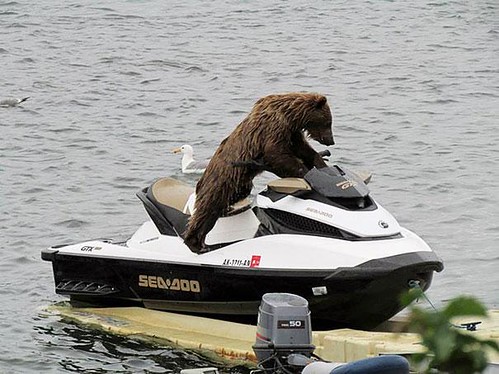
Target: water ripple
115, 86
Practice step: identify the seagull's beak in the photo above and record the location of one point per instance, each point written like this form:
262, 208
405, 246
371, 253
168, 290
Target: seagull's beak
177, 150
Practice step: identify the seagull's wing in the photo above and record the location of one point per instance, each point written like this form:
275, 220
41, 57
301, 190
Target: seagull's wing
196, 166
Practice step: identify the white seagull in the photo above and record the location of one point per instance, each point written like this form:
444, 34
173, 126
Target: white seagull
6, 103
189, 165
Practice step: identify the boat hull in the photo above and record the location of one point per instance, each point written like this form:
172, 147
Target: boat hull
358, 297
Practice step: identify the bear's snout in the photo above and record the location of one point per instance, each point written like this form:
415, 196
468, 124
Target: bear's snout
327, 140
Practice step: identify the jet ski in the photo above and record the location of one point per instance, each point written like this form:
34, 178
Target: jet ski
322, 237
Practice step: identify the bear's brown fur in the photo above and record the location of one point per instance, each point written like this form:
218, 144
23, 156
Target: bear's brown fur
273, 134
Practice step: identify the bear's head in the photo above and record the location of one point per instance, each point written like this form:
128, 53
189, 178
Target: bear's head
319, 122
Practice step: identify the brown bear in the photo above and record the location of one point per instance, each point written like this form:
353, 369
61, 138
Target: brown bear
274, 133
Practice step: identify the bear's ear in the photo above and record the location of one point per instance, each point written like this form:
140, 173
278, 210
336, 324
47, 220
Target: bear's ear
321, 100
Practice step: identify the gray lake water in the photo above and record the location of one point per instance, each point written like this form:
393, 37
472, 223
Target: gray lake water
115, 85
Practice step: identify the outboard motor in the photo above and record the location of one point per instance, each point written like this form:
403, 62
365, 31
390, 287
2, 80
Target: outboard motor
284, 343
283, 330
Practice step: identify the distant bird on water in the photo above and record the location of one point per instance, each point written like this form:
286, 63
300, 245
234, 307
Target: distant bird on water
189, 165
6, 103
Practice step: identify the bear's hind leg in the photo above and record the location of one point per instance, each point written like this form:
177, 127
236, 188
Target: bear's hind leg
204, 218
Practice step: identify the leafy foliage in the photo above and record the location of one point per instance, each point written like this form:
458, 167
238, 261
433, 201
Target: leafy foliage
449, 348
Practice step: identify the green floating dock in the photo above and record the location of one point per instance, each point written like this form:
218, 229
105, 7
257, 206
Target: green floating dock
230, 342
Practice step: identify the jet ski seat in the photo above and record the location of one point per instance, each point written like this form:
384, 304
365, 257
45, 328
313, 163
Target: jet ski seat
234, 209
172, 192
289, 185
170, 202
164, 201
178, 195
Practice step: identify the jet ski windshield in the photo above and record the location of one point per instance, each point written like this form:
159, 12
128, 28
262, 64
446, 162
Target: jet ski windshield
336, 182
